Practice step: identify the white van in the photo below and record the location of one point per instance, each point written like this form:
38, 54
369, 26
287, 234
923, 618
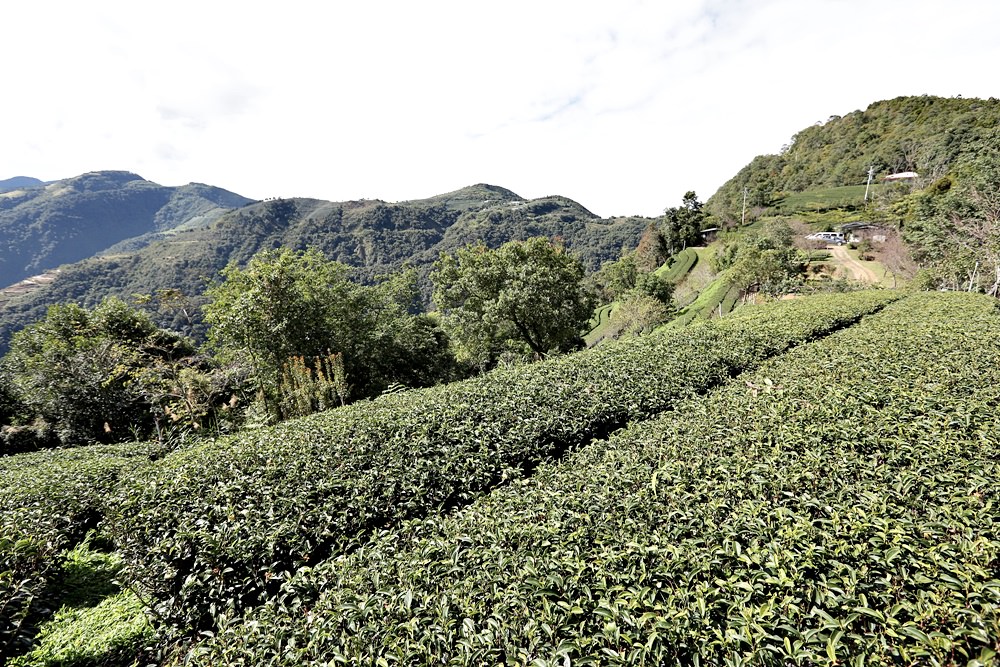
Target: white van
829, 237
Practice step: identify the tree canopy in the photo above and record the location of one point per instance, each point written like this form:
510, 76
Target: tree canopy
89, 374
926, 134
953, 226
763, 259
681, 224
526, 297
289, 310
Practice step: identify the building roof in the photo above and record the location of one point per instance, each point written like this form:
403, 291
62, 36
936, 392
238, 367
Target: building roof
903, 175
852, 226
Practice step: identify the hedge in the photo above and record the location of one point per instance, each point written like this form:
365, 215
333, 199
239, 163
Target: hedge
222, 525
49, 500
680, 266
837, 506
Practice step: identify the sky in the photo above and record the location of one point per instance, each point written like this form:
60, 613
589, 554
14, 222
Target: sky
621, 105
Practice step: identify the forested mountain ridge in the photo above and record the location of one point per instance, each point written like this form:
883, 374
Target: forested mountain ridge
45, 225
925, 134
373, 236
113, 233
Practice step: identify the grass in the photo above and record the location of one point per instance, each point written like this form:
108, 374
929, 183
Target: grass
600, 325
819, 254
697, 280
880, 270
110, 633
97, 623
88, 576
821, 199
832, 267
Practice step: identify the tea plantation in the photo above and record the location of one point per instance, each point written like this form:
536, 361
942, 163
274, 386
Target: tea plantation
811, 482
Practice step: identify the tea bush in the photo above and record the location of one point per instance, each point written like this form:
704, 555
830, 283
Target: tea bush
681, 265
49, 500
221, 526
837, 506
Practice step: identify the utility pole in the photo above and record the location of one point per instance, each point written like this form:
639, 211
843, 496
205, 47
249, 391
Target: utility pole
744, 219
871, 172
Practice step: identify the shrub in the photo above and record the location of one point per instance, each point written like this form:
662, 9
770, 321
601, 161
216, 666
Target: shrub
221, 525
811, 512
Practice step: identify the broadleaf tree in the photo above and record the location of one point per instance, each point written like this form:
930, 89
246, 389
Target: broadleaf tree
525, 297
85, 372
290, 308
681, 224
283, 304
763, 260
953, 227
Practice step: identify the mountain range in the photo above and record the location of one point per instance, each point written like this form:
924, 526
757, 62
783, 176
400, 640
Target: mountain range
114, 233
45, 225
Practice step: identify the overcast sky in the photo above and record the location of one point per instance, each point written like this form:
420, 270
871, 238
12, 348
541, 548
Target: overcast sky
622, 105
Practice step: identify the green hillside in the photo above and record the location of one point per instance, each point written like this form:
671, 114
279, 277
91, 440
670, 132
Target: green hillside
936, 229
924, 134
373, 236
470, 198
44, 226
770, 500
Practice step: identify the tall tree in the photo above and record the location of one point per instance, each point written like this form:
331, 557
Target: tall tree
764, 260
616, 278
652, 250
85, 372
524, 297
295, 311
681, 224
954, 225
284, 304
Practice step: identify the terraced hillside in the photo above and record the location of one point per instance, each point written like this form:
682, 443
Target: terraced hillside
806, 481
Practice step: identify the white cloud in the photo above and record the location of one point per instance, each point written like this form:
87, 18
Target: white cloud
622, 106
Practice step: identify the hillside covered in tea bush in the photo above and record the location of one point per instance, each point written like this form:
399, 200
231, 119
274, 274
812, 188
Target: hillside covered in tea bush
808, 481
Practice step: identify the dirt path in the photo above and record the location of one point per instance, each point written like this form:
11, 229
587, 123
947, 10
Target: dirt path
855, 269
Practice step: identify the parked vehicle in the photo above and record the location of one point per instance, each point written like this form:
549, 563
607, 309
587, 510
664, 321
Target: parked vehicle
829, 237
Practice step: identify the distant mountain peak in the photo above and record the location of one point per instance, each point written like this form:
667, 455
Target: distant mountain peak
470, 198
100, 181
44, 225
18, 182
503, 193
